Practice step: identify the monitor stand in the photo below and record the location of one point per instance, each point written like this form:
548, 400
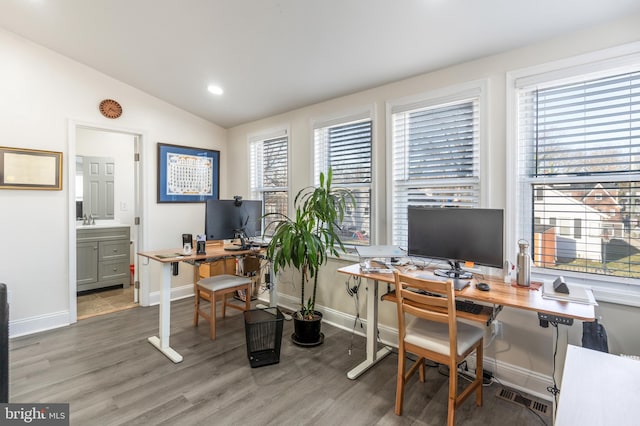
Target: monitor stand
455, 272
243, 239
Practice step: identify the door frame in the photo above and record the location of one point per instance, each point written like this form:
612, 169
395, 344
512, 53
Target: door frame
140, 198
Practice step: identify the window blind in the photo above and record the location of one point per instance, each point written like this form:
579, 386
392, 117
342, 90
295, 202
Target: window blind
269, 175
579, 174
346, 149
435, 159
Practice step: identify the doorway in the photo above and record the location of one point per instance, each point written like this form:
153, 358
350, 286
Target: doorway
123, 207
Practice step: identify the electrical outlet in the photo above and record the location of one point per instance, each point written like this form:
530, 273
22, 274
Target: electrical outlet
487, 377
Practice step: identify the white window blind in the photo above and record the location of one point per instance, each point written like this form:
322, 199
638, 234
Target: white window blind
579, 174
435, 159
269, 175
346, 149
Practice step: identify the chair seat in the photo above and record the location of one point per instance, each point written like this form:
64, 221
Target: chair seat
220, 287
434, 336
221, 282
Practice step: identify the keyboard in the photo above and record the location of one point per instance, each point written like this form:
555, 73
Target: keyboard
470, 307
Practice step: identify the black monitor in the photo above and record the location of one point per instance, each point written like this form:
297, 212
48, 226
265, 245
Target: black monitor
229, 219
457, 235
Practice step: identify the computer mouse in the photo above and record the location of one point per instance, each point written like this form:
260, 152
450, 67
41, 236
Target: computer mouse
483, 286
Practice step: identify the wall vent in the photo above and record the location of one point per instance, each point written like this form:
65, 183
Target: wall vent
538, 407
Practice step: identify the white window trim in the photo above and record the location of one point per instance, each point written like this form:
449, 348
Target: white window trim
479, 88
271, 133
625, 291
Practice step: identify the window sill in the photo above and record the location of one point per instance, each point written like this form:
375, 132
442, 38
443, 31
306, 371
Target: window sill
621, 291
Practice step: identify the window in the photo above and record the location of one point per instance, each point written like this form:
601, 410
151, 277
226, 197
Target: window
345, 147
436, 161
269, 174
579, 153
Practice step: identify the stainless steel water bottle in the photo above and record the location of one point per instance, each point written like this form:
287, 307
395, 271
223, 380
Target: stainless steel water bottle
524, 265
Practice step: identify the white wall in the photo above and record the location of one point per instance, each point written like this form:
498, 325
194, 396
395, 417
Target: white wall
524, 346
41, 93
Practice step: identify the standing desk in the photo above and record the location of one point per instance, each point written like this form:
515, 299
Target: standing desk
166, 258
500, 295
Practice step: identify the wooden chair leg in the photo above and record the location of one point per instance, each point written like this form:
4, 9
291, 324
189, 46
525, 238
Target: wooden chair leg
247, 298
453, 390
196, 309
479, 367
451, 416
212, 319
225, 301
400, 383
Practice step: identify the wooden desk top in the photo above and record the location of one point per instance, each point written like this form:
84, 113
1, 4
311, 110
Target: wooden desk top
212, 252
500, 294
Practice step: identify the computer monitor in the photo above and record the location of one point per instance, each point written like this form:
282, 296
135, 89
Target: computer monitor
229, 219
457, 235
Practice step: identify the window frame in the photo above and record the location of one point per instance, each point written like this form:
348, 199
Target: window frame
434, 98
338, 119
260, 138
611, 289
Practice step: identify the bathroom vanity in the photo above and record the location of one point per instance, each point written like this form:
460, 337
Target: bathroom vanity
102, 256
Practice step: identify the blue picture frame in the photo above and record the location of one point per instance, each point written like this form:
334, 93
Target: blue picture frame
187, 175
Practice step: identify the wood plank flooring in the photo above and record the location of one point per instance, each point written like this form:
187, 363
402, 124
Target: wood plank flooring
108, 372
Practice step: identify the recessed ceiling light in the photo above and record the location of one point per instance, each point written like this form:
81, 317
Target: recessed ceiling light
216, 90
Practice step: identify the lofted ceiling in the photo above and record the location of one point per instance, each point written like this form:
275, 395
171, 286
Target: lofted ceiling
272, 56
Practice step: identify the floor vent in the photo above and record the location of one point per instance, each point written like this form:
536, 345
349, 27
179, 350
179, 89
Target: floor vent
538, 407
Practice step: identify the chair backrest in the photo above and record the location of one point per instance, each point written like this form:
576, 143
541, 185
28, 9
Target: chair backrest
432, 300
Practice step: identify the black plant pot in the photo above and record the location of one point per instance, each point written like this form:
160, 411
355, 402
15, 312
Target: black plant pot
307, 331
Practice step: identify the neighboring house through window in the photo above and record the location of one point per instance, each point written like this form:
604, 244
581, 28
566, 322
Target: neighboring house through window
578, 151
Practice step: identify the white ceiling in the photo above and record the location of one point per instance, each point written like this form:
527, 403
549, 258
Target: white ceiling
272, 56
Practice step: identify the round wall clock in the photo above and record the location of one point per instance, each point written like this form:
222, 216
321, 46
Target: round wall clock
110, 108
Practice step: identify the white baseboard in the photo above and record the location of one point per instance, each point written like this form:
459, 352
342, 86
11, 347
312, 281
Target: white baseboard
509, 375
54, 320
177, 293
23, 327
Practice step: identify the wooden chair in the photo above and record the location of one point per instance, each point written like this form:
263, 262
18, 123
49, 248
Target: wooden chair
220, 287
435, 334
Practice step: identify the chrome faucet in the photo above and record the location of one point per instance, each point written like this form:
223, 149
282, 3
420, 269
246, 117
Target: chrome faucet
85, 221
92, 219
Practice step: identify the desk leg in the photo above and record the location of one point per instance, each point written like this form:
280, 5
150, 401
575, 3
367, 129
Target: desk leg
560, 341
273, 287
162, 342
373, 354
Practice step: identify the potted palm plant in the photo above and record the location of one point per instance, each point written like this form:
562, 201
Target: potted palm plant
304, 242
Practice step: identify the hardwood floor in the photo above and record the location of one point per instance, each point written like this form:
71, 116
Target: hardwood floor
110, 375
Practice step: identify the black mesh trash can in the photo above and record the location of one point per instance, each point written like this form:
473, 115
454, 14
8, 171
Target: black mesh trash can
263, 328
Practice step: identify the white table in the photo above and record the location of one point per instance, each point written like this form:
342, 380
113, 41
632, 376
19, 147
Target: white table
166, 258
598, 389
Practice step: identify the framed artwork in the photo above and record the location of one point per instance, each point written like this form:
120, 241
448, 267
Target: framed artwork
187, 175
30, 169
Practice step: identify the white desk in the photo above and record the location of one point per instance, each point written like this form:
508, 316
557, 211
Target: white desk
598, 389
166, 258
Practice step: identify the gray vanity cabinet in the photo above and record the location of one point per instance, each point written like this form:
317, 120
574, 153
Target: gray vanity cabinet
102, 257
